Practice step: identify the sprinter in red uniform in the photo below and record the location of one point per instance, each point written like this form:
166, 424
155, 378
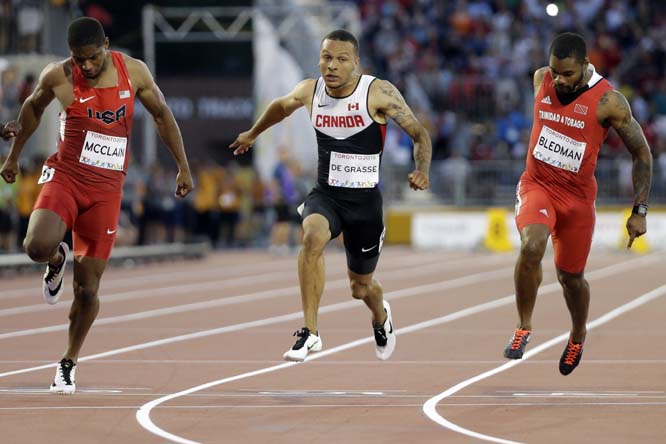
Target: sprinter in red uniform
83, 180
573, 109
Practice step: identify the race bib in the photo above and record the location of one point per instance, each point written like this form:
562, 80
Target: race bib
353, 170
47, 174
104, 151
559, 150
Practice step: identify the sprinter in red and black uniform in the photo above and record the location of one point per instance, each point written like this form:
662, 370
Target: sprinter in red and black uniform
348, 112
574, 108
83, 180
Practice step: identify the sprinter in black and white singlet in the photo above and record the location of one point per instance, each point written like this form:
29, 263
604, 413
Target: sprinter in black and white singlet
349, 140
349, 113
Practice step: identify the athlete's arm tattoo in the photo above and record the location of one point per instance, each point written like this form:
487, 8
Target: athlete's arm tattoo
632, 135
394, 106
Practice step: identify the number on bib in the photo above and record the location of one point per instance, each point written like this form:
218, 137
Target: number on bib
47, 174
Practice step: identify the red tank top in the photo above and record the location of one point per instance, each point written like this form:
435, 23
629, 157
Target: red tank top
566, 139
94, 131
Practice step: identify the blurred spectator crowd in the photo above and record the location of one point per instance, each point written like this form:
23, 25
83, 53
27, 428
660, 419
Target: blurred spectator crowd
465, 67
23, 22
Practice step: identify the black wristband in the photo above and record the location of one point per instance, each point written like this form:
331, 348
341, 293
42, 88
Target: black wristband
640, 209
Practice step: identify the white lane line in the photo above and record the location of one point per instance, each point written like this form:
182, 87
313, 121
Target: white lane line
396, 294
148, 393
328, 406
223, 280
116, 280
553, 404
430, 407
143, 414
588, 362
349, 363
113, 281
445, 285
270, 294
422, 269
211, 407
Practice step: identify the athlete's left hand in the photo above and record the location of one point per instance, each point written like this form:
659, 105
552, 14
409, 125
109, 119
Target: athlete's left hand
418, 180
184, 183
636, 227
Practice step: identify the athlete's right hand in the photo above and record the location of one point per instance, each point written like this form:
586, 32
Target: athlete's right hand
636, 227
418, 180
9, 170
184, 183
11, 129
243, 143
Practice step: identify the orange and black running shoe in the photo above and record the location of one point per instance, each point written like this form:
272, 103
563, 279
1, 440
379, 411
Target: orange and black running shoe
516, 346
571, 357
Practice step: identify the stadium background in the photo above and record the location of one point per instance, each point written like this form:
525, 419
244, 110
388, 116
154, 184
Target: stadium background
465, 68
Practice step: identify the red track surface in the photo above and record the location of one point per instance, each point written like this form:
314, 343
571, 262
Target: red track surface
617, 395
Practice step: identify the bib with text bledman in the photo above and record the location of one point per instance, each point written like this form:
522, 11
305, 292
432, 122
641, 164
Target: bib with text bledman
559, 150
104, 151
348, 170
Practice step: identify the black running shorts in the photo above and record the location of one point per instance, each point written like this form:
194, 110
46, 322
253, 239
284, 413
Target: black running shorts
359, 217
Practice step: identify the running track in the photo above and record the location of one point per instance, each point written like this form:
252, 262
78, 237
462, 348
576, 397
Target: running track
190, 352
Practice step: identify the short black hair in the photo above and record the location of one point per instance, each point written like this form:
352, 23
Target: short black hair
85, 31
342, 36
569, 44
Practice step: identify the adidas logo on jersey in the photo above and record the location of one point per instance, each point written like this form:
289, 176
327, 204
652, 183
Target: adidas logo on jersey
546, 100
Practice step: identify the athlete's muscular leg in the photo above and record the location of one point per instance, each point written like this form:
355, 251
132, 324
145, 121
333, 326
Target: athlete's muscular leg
87, 274
45, 232
528, 272
316, 234
577, 294
364, 287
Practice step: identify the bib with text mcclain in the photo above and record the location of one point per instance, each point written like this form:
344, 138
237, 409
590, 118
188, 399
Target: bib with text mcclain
104, 151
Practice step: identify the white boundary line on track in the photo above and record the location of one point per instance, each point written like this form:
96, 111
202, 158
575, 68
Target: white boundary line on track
346, 363
430, 407
324, 406
450, 284
286, 291
221, 271
223, 278
269, 294
111, 281
143, 414
337, 283
396, 294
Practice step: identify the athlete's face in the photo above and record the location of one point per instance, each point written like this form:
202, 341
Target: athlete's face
338, 63
567, 73
90, 58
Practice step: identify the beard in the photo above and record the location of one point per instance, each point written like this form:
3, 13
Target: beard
569, 93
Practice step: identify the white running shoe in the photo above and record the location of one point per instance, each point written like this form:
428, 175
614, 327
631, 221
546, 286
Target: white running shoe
64, 381
52, 285
385, 336
307, 342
